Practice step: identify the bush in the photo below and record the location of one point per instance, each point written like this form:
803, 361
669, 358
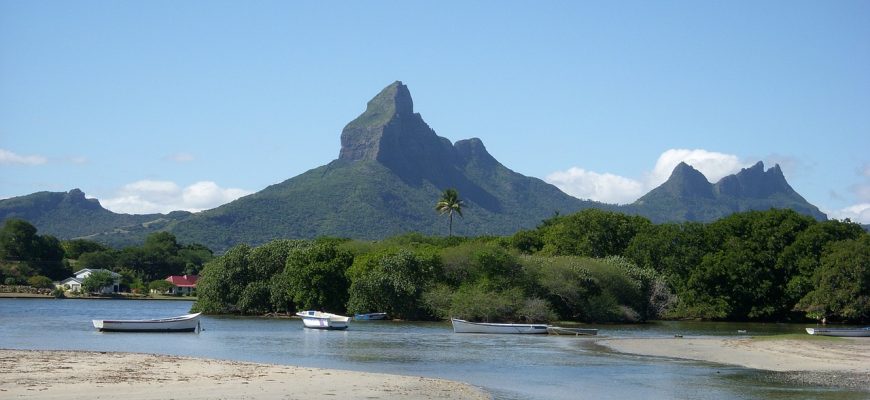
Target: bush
160, 286
40, 282
392, 281
59, 292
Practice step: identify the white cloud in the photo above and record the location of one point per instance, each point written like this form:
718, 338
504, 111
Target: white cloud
857, 213
149, 196
610, 188
8, 157
713, 165
206, 194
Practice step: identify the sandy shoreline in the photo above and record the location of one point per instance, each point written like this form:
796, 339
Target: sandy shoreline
37, 374
843, 362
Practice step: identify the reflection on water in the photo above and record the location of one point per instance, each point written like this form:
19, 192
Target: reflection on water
508, 366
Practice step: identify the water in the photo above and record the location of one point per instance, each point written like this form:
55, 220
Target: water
507, 366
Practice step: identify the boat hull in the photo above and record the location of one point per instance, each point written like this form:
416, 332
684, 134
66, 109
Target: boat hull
184, 323
462, 326
370, 317
841, 332
557, 330
321, 320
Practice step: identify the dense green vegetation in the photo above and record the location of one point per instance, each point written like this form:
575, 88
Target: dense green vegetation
594, 265
27, 257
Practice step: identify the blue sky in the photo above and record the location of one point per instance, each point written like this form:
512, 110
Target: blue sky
161, 105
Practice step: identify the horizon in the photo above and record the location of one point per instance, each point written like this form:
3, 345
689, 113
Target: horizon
161, 106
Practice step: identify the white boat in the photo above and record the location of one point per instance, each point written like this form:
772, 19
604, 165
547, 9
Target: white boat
558, 330
463, 326
375, 316
845, 332
322, 320
183, 323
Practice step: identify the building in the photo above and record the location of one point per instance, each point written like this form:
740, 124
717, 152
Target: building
74, 284
184, 284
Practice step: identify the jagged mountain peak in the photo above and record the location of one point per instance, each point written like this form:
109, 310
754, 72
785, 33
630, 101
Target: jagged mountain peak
77, 197
389, 130
754, 182
395, 99
686, 181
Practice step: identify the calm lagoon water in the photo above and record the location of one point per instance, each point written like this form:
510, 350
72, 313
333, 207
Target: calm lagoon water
507, 366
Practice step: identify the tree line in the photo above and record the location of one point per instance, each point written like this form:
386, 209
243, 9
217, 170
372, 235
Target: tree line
29, 258
594, 265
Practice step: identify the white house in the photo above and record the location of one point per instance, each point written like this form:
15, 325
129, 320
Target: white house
75, 283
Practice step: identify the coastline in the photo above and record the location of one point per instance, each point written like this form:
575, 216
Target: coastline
42, 374
838, 362
18, 295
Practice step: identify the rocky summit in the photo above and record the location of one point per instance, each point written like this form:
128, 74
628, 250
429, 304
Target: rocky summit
688, 196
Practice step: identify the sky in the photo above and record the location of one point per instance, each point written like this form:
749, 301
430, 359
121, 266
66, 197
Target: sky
165, 105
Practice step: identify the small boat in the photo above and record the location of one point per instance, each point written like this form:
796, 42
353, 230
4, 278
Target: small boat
463, 326
558, 330
845, 332
183, 323
375, 316
322, 320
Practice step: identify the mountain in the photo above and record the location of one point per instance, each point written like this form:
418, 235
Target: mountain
688, 196
70, 215
390, 171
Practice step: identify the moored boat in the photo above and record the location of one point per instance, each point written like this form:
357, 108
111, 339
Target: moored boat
843, 332
182, 323
376, 316
463, 326
322, 320
558, 330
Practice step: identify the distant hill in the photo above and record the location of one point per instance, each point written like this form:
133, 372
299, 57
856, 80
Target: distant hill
390, 172
71, 215
688, 196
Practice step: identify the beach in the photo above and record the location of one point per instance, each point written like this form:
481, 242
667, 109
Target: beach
836, 362
39, 374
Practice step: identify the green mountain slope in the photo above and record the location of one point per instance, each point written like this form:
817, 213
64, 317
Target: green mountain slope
71, 215
390, 173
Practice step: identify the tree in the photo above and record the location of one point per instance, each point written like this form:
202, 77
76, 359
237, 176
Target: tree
43, 254
316, 277
591, 233
96, 281
449, 204
392, 281
842, 282
160, 286
75, 248
222, 281
17, 240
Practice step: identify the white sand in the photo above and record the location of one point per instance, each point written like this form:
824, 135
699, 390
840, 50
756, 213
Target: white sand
28, 374
850, 355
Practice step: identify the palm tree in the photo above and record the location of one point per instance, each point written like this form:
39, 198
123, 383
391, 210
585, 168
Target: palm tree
448, 204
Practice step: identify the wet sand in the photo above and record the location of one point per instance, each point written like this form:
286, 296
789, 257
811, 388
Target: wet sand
37, 374
844, 362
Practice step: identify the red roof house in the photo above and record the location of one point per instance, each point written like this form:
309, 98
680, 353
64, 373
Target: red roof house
184, 284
